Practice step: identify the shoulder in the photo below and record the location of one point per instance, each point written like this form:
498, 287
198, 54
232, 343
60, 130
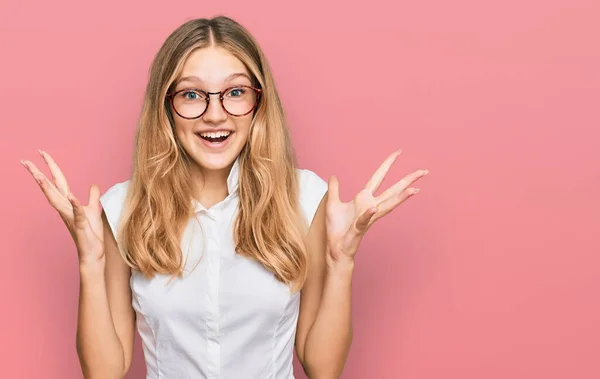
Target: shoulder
116, 189
113, 201
312, 189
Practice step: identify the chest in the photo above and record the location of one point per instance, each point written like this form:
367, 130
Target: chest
217, 283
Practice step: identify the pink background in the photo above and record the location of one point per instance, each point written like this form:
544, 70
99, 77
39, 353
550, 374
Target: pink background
492, 271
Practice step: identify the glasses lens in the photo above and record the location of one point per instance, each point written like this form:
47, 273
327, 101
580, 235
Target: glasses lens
239, 100
190, 104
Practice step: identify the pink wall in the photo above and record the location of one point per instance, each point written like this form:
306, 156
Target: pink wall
492, 271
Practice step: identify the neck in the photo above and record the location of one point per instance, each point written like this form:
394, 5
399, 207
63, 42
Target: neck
211, 185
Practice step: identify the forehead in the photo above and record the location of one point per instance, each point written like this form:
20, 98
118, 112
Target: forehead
212, 65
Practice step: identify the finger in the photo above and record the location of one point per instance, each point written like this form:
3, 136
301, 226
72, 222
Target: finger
363, 220
389, 204
401, 185
352, 238
79, 214
333, 189
54, 196
377, 178
57, 175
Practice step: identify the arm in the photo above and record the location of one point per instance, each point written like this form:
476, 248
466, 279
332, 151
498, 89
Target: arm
105, 324
324, 330
105, 329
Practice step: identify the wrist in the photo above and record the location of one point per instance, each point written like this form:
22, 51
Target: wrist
343, 267
92, 268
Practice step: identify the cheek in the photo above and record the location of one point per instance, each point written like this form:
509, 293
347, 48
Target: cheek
183, 128
242, 126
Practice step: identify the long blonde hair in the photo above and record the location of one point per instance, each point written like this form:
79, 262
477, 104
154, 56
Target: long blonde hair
269, 227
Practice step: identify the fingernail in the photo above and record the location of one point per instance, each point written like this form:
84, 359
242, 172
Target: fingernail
42, 153
23, 163
416, 190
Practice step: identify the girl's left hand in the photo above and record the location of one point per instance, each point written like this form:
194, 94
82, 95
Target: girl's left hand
346, 223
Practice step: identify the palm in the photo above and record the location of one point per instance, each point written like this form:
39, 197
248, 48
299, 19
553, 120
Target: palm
346, 222
84, 222
341, 219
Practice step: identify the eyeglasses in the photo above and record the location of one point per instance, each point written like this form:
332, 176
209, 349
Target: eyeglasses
191, 103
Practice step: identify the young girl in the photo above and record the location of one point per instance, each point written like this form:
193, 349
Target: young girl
223, 253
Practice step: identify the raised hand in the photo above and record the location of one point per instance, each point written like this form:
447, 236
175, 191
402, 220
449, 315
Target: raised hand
83, 221
346, 223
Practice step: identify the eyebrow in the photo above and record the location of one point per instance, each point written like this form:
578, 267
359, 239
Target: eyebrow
191, 78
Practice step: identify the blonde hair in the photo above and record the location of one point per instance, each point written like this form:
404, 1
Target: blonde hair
269, 227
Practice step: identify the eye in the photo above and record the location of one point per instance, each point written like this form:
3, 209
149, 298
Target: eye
236, 92
191, 95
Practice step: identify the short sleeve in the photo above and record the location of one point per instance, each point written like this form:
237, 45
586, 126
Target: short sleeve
113, 202
312, 190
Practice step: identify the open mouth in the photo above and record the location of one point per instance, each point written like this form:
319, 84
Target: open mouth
215, 137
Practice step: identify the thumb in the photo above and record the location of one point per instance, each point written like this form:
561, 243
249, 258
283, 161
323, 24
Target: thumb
94, 199
333, 189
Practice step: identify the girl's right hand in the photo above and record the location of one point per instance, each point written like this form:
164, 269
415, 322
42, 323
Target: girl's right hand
83, 221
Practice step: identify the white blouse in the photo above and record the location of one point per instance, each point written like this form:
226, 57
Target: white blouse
228, 318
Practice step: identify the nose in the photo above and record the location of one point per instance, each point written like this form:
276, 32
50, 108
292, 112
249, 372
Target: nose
214, 112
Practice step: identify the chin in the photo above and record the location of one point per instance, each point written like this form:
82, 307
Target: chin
215, 162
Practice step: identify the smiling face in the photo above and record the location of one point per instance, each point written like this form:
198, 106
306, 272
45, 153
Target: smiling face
214, 140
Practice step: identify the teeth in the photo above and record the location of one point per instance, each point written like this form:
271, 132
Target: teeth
216, 134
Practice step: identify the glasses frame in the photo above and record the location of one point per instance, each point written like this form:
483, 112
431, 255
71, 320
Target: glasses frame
170, 97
